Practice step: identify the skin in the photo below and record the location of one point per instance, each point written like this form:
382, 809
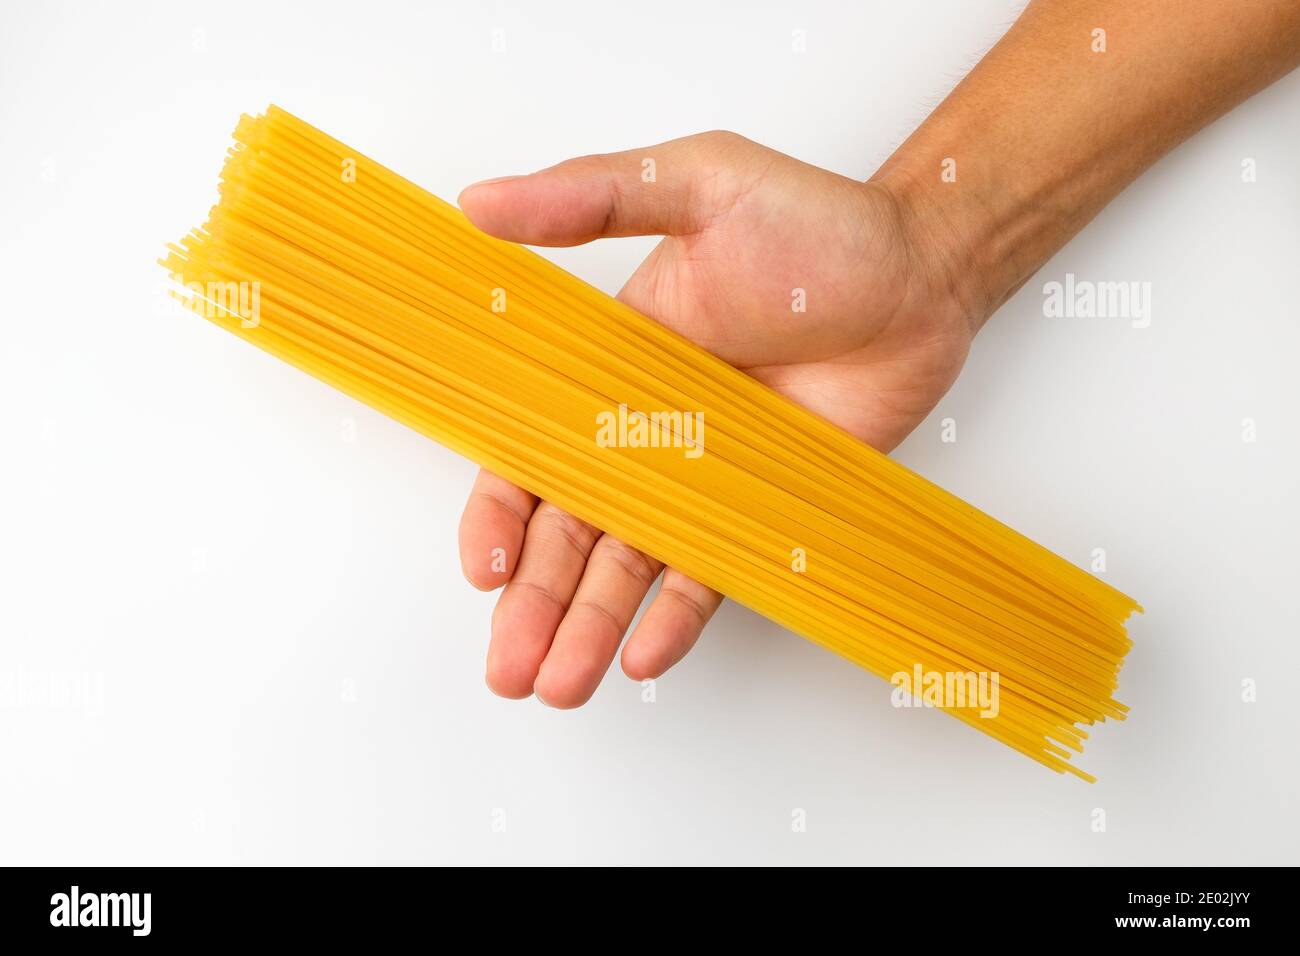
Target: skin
900, 274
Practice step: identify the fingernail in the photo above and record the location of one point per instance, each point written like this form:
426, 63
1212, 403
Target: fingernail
490, 182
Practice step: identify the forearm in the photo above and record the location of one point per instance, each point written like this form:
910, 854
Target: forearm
1050, 125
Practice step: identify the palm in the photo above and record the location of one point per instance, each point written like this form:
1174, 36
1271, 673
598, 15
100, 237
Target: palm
862, 353
874, 349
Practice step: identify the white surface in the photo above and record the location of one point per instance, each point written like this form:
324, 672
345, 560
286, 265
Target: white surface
266, 651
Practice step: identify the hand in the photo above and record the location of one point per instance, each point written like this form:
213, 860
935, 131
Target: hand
882, 338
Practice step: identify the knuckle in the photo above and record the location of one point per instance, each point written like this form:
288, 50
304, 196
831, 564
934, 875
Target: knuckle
636, 564
722, 138
577, 534
539, 590
693, 606
604, 614
492, 499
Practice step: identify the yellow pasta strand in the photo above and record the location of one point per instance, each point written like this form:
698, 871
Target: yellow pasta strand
345, 270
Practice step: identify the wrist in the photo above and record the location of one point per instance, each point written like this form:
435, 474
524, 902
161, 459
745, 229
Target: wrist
964, 246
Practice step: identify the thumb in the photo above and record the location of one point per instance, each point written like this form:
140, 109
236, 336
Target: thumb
638, 192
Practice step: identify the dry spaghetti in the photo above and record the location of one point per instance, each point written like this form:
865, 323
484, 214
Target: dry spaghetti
342, 268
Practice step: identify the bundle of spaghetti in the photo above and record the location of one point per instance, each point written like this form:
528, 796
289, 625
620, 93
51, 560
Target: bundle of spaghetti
386, 292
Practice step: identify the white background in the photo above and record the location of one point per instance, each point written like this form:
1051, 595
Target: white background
228, 634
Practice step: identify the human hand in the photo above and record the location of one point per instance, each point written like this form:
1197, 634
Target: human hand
885, 329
